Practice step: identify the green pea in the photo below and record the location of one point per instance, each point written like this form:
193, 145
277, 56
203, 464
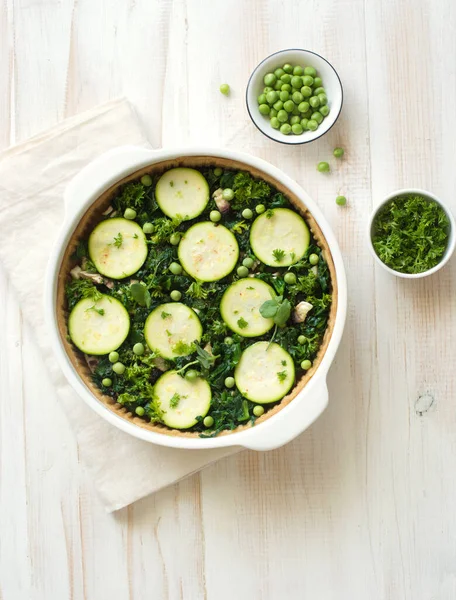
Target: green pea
247, 213
306, 91
113, 357
319, 90
248, 262
225, 89
229, 382
297, 82
130, 214
298, 70
290, 278
260, 208
191, 375
218, 171
272, 97
312, 125
323, 99
294, 119
323, 167
297, 97
208, 421
284, 96
285, 128
310, 71
296, 128
289, 106
318, 82
146, 180
285, 78
306, 364
275, 123
215, 216
229, 341
307, 114
148, 228
258, 410
118, 368
138, 349
228, 194
267, 89
317, 116
308, 80
304, 123
242, 271
175, 295
278, 105
286, 87
261, 98
341, 200
264, 109
303, 107
278, 85
174, 239
287, 68
282, 116
295, 112
175, 268
338, 152
107, 382
279, 72
273, 113
314, 101
269, 79
314, 259
139, 410
302, 340
324, 110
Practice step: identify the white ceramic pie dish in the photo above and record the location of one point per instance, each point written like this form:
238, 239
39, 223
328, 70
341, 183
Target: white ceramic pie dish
85, 189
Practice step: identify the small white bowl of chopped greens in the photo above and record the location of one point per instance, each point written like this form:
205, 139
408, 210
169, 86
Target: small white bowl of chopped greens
412, 233
294, 96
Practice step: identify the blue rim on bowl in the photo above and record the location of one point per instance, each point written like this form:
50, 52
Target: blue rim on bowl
258, 118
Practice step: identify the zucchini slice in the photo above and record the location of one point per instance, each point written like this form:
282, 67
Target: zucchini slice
182, 193
208, 252
240, 307
171, 328
98, 327
181, 400
117, 248
265, 373
279, 237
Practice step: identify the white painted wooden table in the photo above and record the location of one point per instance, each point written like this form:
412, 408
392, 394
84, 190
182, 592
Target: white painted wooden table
362, 506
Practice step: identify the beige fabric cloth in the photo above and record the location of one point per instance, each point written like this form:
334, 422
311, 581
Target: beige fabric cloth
33, 176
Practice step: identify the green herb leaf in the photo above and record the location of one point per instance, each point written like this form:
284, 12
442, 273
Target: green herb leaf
206, 359
140, 294
269, 309
278, 254
176, 398
100, 311
242, 323
282, 375
277, 309
165, 315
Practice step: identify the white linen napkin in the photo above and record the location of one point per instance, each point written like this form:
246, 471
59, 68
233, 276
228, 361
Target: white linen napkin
33, 176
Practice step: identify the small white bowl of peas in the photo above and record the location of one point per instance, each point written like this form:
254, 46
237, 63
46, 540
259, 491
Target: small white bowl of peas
294, 96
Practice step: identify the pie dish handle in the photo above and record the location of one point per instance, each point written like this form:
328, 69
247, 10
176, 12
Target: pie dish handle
103, 172
288, 424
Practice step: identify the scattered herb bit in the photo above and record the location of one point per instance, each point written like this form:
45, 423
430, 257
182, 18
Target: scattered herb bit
239, 227
100, 311
165, 315
117, 240
410, 234
176, 398
282, 375
182, 348
284, 363
242, 323
269, 213
78, 289
278, 254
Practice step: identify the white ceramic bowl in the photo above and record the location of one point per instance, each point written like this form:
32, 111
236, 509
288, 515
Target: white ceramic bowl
451, 240
304, 58
83, 191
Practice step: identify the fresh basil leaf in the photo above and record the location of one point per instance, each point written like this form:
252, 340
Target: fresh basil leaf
268, 309
283, 313
140, 294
